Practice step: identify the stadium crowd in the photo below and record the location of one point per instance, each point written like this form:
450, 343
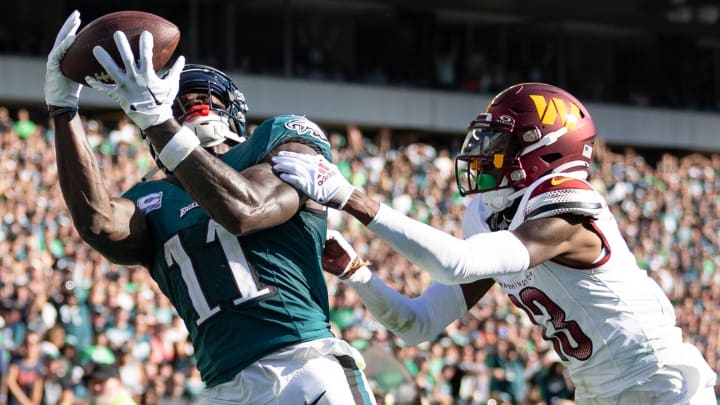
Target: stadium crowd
64, 309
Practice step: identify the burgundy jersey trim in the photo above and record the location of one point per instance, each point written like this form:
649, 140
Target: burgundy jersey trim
606, 245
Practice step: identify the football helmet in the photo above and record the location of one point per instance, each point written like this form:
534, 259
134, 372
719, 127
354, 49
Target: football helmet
226, 123
228, 120
528, 130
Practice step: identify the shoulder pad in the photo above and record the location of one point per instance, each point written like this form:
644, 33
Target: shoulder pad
302, 126
295, 128
561, 194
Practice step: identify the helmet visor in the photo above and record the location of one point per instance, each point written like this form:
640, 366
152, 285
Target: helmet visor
479, 166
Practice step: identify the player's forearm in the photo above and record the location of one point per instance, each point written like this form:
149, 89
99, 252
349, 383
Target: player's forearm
113, 226
79, 176
230, 198
415, 320
448, 259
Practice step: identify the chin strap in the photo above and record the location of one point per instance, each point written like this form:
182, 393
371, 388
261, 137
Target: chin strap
500, 221
149, 174
499, 200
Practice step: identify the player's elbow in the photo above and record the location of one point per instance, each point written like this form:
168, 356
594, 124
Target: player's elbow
237, 226
450, 276
450, 270
86, 233
415, 326
92, 227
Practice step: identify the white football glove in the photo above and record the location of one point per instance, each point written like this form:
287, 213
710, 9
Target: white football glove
314, 176
59, 90
339, 258
146, 98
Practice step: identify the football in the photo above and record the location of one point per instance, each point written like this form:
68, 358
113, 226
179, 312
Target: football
79, 60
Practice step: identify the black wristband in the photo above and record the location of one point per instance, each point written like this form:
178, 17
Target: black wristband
55, 111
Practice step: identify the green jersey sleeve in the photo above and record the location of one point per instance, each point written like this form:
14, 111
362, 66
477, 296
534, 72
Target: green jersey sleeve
274, 132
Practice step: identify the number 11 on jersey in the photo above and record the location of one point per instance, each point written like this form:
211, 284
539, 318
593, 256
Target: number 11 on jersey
245, 281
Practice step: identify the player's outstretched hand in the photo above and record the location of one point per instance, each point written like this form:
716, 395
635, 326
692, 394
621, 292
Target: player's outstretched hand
146, 98
339, 258
59, 90
314, 176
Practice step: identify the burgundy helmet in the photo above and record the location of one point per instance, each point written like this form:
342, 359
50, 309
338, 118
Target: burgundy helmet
528, 130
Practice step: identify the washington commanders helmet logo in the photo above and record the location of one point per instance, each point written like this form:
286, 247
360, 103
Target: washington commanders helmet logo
549, 111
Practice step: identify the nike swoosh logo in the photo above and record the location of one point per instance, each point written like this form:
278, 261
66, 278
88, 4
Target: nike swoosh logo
157, 102
316, 399
556, 182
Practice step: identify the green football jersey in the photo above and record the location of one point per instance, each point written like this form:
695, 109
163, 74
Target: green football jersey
241, 297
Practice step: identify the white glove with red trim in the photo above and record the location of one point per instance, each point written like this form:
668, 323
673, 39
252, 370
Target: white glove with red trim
314, 176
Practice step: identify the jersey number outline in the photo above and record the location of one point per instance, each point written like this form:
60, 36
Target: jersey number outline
538, 305
244, 277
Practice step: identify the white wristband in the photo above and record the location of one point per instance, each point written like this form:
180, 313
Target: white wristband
361, 276
178, 148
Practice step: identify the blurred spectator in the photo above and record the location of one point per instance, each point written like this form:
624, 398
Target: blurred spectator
75, 318
193, 385
6, 122
54, 341
445, 57
106, 387
124, 133
553, 383
94, 134
58, 384
99, 352
26, 373
24, 127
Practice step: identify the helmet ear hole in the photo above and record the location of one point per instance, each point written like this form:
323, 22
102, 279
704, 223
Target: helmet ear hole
551, 157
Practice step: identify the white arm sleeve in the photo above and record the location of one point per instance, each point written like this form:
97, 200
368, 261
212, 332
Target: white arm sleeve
448, 259
415, 320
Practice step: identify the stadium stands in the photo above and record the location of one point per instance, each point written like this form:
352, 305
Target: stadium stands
88, 310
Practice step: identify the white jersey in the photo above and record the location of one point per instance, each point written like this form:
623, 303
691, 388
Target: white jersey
611, 324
